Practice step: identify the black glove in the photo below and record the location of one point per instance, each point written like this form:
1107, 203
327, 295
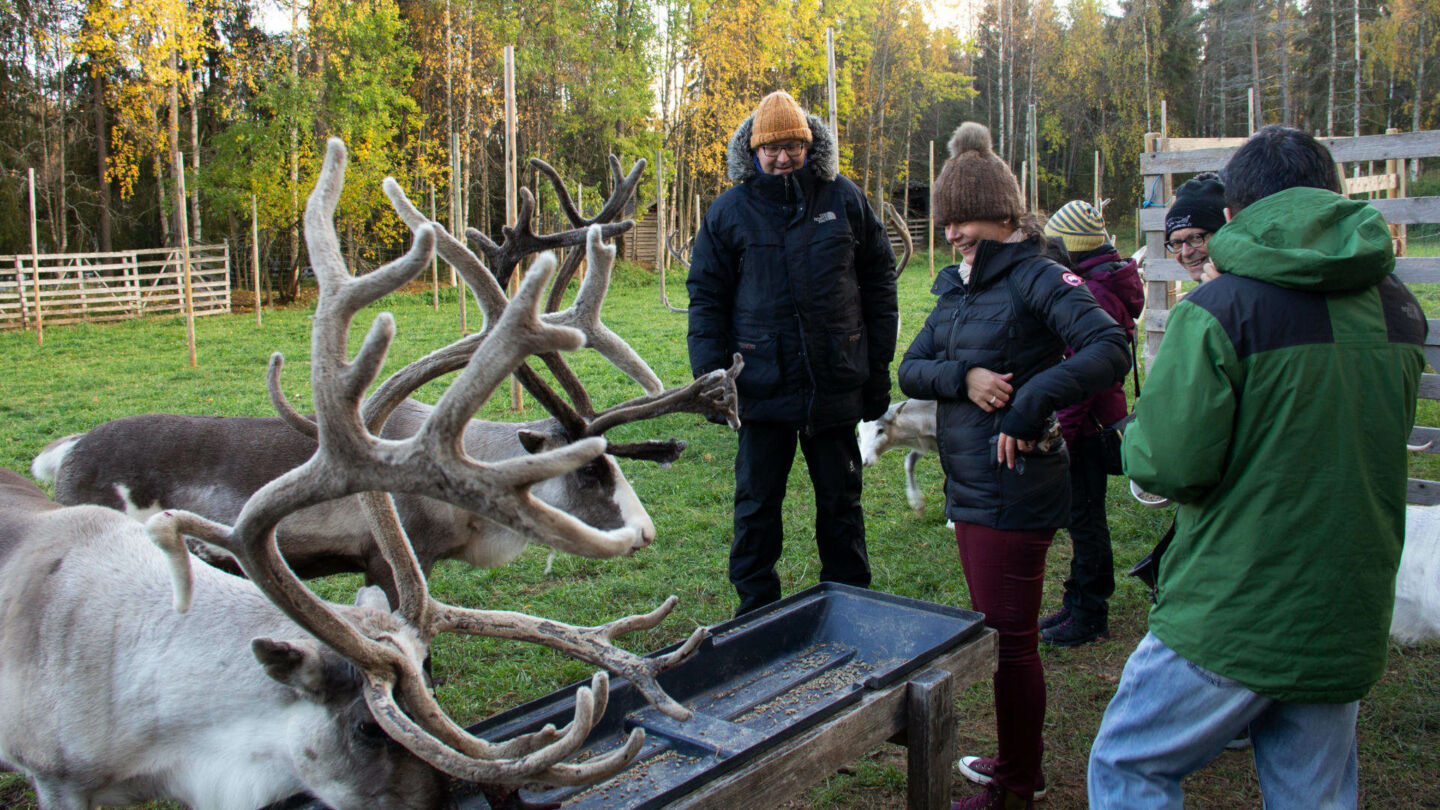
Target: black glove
875, 398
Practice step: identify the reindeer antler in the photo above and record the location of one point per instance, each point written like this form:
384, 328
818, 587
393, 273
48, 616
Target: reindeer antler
521, 240
712, 395
352, 459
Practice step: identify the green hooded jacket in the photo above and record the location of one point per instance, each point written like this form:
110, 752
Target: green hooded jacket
1276, 414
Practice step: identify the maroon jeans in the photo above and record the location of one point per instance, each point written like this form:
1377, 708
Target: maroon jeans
1005, 572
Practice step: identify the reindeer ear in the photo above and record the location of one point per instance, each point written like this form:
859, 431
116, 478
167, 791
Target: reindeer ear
660, 451
532, 441
296, 664
373, 597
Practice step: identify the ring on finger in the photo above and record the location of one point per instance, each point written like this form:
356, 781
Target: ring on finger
992, 399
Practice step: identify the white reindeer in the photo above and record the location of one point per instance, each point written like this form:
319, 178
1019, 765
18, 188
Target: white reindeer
1417, 583
107, 696
908, 423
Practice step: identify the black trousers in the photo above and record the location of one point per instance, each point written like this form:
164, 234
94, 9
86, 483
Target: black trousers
762, 468
1092, 566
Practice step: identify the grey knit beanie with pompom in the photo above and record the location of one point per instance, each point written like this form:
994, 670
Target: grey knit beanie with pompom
974, 183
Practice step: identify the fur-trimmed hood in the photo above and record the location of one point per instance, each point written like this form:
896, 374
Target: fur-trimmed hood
821, 157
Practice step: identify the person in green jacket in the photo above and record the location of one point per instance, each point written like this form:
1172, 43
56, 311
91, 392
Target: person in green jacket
1275, 414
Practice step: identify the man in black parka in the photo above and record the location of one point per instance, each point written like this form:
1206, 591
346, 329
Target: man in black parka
793, 270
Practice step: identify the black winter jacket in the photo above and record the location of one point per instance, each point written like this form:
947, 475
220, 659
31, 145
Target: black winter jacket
796, 274
1016, 315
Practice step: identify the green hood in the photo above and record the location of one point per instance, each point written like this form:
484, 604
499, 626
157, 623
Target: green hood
1306, 239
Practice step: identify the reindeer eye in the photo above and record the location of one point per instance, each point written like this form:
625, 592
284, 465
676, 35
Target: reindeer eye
371, 730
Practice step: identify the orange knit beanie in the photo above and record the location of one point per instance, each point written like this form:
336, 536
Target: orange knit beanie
778, 119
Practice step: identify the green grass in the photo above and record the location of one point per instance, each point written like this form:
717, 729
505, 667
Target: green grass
87, 374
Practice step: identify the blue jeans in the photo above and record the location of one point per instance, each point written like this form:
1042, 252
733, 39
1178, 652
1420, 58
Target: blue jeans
1170, 717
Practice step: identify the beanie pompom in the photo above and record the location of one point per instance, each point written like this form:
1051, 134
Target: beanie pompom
970, 136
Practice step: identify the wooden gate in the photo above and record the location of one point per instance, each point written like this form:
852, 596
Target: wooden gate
78, 287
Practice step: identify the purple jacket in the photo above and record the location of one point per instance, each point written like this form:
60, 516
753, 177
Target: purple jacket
1115, 283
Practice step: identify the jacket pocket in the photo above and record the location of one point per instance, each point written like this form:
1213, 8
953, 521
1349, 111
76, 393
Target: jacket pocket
1036, 478
848, 360
761, 376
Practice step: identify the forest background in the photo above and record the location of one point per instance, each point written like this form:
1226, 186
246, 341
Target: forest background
103, 98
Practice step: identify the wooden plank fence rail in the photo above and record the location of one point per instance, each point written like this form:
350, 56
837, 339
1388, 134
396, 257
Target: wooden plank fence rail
1187, 156
98, 287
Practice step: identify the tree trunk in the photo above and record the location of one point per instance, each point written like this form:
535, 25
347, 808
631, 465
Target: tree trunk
102, 160
164, 198
194, 187
291, 285
1255, 62
1334, 50
1286, 111
175, 151
1357, 67
64, 235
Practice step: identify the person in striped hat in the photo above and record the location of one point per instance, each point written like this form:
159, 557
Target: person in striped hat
1114, 280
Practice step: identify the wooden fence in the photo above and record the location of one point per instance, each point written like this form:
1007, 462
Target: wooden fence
1394, 150
78, 287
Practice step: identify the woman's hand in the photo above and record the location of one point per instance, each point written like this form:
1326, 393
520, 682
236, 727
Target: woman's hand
1009, 448
987, 389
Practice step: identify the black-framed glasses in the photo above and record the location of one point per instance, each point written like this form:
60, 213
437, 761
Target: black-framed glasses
1195, 242
794, 149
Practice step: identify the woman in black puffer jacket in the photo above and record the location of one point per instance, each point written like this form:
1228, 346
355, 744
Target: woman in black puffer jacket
990, 354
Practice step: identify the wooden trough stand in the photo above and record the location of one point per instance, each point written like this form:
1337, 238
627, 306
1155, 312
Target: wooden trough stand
918, 713
782, 697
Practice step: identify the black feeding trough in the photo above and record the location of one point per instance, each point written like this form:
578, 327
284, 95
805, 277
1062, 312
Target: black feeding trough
758, 681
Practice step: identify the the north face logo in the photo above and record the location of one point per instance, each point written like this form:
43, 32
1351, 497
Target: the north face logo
828, 216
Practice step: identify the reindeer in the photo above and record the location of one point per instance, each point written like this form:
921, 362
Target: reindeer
211, 465
108, 695
908, 423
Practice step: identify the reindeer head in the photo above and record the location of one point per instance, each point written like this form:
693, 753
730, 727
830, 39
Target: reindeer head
341, 751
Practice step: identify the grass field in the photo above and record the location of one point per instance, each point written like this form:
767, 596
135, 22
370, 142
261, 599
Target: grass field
88, 374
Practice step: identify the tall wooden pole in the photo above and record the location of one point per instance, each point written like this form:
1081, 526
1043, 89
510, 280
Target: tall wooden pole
931, 211
34, 266
457, 221
512, 210
1034, 160
434, 261
660, 225
180, 208
830, 83
1097, 180
255, 254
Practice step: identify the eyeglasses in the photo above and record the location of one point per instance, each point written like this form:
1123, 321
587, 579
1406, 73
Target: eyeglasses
1195, 242
794, 149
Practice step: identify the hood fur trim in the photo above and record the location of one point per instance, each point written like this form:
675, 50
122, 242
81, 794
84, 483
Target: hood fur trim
821, 158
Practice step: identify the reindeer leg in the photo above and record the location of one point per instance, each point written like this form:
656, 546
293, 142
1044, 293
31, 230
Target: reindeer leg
913, 495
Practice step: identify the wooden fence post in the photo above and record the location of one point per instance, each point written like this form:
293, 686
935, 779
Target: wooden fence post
931, 218
512, 190
189, 302
255, 254
20, 293
35, 265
